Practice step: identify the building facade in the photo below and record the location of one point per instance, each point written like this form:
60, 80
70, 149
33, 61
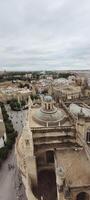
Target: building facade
57, 141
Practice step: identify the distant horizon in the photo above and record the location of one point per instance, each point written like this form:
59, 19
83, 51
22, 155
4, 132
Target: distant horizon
73, 70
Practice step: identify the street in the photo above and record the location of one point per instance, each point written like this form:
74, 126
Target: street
7, 184
11, 186
18, 118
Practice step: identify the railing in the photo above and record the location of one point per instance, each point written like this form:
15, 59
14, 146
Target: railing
54, 134
54, 128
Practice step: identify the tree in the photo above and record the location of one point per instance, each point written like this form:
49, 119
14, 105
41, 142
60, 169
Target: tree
11, 135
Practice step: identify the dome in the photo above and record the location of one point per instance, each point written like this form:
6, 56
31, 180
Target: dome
47, 98
48, 114
49, 117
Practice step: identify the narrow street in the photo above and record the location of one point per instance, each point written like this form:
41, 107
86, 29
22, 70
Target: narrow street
10, 181
7, 180
11, 186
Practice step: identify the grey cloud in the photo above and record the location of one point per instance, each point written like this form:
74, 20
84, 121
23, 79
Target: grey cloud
44, 34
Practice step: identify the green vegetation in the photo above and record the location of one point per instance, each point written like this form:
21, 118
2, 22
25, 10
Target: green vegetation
56, 74
64, 75
15, 105
35, 75
11, 135
34, 96
14, 76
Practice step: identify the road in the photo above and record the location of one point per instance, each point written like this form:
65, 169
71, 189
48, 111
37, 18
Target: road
7, 181
18, 118
11, 187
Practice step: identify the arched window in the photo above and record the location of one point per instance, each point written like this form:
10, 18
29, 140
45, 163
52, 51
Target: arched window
45, 106
88, 136
48, 106
82, 196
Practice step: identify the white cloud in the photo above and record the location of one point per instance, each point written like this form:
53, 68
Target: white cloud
44, 34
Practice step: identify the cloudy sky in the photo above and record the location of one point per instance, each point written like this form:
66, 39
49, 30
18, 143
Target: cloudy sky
44, 34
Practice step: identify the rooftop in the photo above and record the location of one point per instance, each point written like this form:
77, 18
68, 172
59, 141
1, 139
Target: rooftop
76, 109
47, 98
75, 165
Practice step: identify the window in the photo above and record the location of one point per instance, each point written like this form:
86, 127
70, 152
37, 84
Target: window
45, 106
88, 136
27, 142
48, 106
50, 156
82, 196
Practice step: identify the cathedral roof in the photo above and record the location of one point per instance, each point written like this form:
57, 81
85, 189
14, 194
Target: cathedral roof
48, 113
55, 116
76, 109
